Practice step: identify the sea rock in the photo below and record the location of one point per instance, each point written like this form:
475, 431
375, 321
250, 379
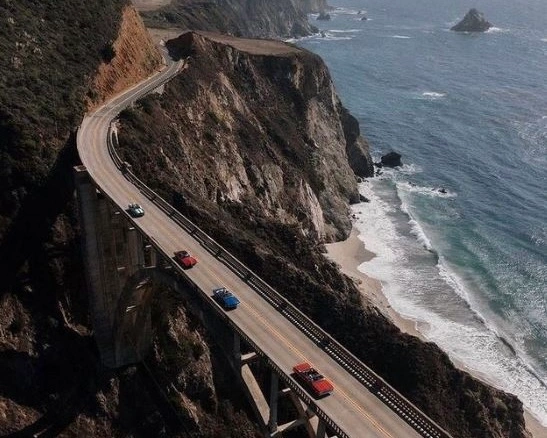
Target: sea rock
364, 18
363, 198
357, 148
392, 159
473, 21
323, 16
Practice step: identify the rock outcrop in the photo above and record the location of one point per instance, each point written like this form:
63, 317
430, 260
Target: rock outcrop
357, 148
323, 16
263, 19
473, 21
391, 159
259, 127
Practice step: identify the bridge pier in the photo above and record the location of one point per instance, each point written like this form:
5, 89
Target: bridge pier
118, 289
274, 397
321, 429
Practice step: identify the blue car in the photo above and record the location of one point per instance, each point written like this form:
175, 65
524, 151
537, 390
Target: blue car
135, 210
225, 298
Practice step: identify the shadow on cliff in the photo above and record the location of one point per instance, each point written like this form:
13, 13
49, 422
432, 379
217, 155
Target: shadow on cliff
57, 381
31, 228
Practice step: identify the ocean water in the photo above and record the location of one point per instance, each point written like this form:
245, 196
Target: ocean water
469, 115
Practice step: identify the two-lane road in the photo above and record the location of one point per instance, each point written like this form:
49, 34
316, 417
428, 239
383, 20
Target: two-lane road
358, 412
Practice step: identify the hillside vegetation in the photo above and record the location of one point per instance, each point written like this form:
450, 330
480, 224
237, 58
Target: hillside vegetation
57, 57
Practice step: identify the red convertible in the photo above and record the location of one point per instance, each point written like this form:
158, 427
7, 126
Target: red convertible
184, 259
315, 382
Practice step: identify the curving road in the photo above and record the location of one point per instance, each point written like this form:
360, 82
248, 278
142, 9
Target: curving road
352, 407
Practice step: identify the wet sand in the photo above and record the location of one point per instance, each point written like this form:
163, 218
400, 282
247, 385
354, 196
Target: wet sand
351, 253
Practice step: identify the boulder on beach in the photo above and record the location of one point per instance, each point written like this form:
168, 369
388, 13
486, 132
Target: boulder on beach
473, 21
392, 159
323, 16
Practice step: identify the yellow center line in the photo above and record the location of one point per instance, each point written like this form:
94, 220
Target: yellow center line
299, 353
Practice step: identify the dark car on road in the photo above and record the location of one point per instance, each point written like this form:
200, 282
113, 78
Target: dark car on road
225, 298
135, 210
185, 260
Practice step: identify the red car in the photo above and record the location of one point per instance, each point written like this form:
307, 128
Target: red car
315, 382
184, 259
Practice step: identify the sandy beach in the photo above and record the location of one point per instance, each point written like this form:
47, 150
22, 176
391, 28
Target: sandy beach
351, 253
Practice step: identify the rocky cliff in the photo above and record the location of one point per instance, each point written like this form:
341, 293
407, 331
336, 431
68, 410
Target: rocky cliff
251, 143
59, 56
258, 18
216, 131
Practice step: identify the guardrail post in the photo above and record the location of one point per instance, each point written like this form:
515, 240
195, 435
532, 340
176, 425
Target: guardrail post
274, 395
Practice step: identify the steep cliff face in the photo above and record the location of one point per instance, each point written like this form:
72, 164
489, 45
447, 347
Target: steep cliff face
258, 18
250, 142
291, 167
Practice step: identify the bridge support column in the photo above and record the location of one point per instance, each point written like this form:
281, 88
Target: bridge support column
321, 429
274, 395
113, 258
237, 349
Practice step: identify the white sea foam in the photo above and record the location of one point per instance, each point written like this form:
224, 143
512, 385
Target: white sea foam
450, 319
432, 95
437, 192
347, 11
496, 30
345, 30
417, 231
482, 351
401, 37
406, 169
327, 36
544, 40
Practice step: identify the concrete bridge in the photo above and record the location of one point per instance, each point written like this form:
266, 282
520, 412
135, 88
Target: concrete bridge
123, 256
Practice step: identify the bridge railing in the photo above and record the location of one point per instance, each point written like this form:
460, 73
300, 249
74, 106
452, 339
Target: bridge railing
303, 395
372, 381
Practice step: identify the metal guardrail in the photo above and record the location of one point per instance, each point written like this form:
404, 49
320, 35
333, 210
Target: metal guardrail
303, 395
372, 381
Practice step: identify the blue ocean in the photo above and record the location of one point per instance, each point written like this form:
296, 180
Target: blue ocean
459, 231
